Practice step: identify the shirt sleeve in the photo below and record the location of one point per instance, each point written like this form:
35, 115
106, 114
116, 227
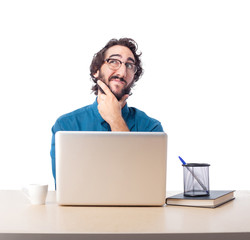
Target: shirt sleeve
54, 129
147, 124
157, 128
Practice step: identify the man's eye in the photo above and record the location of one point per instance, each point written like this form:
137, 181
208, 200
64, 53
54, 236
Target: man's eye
129, 65
113, 61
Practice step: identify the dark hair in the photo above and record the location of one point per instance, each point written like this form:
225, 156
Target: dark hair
98, 59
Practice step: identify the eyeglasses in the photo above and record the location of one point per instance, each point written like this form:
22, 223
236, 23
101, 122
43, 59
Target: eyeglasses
115, 64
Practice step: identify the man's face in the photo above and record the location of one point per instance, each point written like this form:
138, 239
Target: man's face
120, 80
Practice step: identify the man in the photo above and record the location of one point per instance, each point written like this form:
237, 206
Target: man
114, 71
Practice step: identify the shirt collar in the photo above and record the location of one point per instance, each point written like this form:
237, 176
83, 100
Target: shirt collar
125, 111
95, 109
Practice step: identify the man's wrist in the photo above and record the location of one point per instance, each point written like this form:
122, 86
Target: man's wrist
119, 125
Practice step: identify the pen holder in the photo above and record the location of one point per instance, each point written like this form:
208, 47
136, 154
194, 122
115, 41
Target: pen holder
196, 179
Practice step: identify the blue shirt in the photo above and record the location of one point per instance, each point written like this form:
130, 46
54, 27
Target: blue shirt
88, 118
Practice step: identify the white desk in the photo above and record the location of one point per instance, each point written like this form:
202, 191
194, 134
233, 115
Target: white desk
20, 220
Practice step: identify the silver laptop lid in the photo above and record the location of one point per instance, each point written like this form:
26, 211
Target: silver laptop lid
111, 168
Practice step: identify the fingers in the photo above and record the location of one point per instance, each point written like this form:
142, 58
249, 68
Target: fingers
101, 96
104, 87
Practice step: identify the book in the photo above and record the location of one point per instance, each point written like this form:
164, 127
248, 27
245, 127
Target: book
215, 199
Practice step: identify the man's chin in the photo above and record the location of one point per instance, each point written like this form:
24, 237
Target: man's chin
118, 95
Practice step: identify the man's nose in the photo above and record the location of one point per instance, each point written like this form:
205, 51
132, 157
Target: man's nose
122, 71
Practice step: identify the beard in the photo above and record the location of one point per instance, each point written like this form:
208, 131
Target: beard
125, 90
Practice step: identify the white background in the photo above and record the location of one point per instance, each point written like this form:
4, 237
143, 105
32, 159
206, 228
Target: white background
196, 56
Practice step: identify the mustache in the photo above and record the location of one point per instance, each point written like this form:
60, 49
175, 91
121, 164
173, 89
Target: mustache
116, 77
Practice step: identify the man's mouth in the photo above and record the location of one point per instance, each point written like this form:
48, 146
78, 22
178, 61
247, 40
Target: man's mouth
117, 79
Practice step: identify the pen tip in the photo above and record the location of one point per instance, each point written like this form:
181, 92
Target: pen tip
182, 160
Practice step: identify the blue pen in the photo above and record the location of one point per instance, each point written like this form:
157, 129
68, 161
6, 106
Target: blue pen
197, 179
182, 161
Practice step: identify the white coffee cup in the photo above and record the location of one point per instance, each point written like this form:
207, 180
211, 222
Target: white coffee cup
36, 193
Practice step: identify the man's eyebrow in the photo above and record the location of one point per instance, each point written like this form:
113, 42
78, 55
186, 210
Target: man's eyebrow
120, 56
115, 55
131, 59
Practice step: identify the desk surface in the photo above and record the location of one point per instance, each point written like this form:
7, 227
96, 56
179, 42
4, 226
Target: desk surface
18, 216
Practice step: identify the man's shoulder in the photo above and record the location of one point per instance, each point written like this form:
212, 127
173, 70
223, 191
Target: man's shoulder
141, 114
80, 119
76, 113
145, 122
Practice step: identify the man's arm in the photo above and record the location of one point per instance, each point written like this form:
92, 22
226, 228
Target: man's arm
54, 129
110, 108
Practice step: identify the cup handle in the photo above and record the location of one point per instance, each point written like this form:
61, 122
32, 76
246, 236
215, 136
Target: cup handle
26, 192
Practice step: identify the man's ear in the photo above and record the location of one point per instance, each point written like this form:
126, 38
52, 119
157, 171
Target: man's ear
96, 75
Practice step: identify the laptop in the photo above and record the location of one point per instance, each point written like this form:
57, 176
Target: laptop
111, 168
